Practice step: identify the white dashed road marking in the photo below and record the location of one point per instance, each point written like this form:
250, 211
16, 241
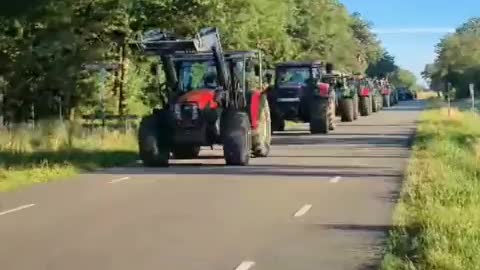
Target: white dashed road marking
335, 179
119, 180
303, 210
245, 265
17, 209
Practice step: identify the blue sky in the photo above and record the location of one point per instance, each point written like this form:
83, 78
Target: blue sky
410, 29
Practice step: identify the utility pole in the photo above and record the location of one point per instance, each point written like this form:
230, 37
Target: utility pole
472, 95
449, 91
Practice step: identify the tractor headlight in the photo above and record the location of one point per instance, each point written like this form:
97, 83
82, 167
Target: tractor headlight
194, 111
177, 110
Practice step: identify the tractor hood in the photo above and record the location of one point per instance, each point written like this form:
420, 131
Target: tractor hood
202, 97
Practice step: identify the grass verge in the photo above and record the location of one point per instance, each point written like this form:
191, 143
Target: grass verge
437, 222
54, 151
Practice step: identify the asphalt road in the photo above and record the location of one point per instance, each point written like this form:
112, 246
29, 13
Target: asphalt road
319, 202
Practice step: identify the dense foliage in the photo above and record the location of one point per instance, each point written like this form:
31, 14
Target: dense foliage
458, 59
44, 47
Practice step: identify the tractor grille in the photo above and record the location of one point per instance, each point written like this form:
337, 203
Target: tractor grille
289, 92
187, 111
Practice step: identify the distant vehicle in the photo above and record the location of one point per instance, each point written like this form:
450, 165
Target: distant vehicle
406, 94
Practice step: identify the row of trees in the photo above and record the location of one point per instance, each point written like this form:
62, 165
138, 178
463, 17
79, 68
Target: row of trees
45, 45
458, 59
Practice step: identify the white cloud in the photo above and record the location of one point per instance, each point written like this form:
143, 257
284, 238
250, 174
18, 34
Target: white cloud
413, 30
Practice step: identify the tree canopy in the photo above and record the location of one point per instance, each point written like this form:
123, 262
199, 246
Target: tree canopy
458, 59
44, 46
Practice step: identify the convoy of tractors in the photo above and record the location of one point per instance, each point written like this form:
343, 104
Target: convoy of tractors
227, 98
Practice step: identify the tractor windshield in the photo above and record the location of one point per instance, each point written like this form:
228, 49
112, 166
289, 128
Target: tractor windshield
202, 74
198, 75
293, 76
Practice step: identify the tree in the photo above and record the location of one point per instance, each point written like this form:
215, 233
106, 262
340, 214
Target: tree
44, 46
383, 67
458, 58
404, 78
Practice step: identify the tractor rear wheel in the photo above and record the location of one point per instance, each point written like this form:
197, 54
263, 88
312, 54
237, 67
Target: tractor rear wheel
347, 109
370, 104
386, 101
375, 107
365, 105
154, 140
278, 125
356, 109
332, 112
320, 114
186, 151
262, 135
236, 136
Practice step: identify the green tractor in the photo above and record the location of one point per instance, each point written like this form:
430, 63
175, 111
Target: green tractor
347, 98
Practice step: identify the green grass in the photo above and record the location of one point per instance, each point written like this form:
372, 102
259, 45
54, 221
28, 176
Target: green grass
437, 222
55, 151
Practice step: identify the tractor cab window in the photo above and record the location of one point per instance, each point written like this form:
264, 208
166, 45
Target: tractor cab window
237, 76
293, 76
198, 75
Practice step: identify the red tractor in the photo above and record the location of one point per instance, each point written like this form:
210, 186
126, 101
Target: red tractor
215, 97
365, 93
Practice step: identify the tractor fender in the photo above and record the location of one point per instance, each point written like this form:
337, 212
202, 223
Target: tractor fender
255, 107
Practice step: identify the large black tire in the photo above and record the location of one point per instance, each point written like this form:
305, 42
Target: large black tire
278, 124
347, 109
375, 107
262, 135
386, 101
356, 109
154, 140
236, 137
365, 106
371, 104
332, 112
186, 151
320, 114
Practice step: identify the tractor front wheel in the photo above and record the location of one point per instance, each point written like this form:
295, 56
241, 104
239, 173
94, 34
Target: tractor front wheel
320, 113
386, 101
347, 107
262, 135
332, 112
236, 136
356, 109
375, 107
154, 140
365, 105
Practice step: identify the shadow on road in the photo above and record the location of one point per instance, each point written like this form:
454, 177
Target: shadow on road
357, 227
80, 159
373, 140
336, 157
346, 171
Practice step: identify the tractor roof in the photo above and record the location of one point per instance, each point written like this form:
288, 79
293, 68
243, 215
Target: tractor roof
208, 56
300, 64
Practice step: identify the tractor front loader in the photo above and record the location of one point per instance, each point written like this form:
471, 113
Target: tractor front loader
215, 97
